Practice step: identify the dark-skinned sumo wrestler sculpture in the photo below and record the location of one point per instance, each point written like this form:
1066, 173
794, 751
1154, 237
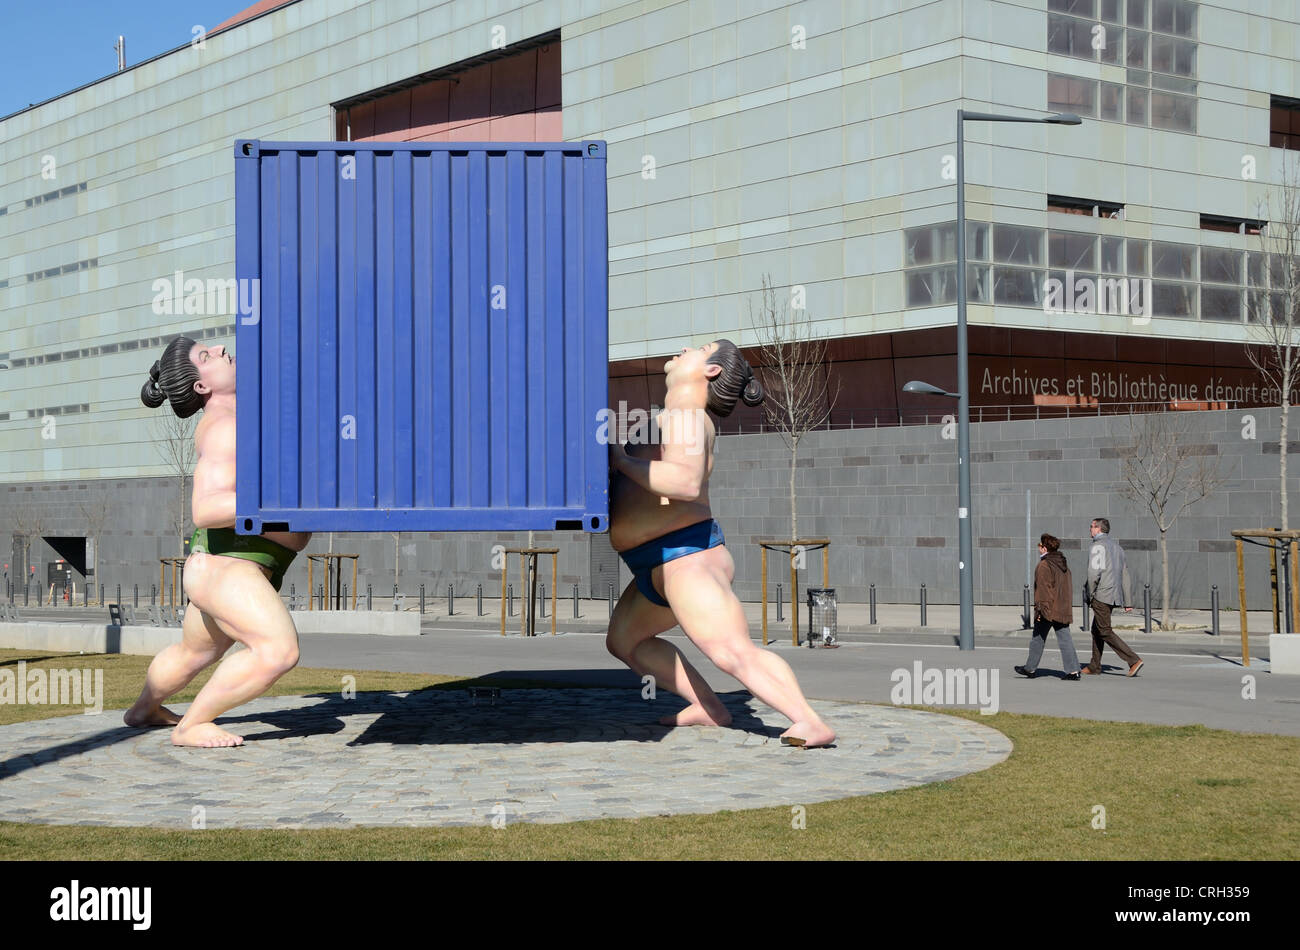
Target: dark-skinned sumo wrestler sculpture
661, 525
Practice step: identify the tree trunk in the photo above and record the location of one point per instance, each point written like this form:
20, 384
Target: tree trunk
180, 519
1286, 411
794, 510
1164, 580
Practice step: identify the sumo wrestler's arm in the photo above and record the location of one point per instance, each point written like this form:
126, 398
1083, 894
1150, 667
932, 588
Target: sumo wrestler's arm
212, 505
680, 474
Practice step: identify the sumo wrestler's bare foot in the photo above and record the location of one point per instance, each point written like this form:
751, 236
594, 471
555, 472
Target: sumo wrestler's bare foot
205, 735
696, 715
145, 717
808, 735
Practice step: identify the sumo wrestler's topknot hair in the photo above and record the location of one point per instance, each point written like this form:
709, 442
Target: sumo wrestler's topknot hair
736, 381
172, 378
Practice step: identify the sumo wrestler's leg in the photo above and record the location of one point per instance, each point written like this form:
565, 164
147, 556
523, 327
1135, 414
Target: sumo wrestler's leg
633, 638
699, 588
238, 595
202, 644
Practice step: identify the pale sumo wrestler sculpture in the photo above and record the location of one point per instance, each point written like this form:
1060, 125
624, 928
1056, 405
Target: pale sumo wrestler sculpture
661, 526
232, 580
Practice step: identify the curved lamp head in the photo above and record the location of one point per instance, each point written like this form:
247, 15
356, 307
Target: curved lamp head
1063, 118
917, 386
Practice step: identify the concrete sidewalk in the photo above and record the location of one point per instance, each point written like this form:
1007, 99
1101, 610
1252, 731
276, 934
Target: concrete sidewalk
853, 620
1181, 683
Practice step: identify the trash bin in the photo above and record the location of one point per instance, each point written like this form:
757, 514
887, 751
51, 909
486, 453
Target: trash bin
821, 616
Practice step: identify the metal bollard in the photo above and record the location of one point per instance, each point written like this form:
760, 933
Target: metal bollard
421, 600
320, 596
136, 597
1026, 618
293, 593
345, 596
85, 594
611, 601
1214, 609
119, 593
1146, 608
923, 605
451, 600
543, 610
872, 621
1085, 627
479, 596
780, 604
575, 601
153, 595
369, 598
27, 592
510, 600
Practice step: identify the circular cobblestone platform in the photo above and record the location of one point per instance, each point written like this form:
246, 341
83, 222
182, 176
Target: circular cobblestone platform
441, 758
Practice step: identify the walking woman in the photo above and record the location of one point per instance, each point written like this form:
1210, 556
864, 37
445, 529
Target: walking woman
1053, 609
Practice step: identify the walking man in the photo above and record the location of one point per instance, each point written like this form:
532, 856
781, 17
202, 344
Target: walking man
1109, 587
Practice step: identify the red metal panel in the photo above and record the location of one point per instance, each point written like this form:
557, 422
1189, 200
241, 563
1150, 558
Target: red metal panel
471, 97
548, 76
514, 84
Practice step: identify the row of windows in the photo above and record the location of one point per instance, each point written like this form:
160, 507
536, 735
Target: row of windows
33, 276
56, 193
1177, 17
41, 413
1025, 287
48, 196
1233, 282
1095, 99
1136, 49
106, 349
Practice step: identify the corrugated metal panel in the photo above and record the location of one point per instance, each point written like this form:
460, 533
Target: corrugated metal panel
430, 352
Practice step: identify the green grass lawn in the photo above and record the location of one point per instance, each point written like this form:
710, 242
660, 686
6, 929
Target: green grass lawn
1170, 793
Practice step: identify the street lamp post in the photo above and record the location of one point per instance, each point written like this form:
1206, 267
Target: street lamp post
964, 515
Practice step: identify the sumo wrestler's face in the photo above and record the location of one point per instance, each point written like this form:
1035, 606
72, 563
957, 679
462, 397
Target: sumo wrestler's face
692, 365
216, 369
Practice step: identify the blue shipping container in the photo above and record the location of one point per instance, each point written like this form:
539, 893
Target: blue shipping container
422, 343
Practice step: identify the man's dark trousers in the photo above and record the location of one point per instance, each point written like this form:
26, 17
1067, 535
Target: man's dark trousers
1103, 634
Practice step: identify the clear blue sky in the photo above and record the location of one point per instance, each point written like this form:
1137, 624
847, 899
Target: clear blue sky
54, 46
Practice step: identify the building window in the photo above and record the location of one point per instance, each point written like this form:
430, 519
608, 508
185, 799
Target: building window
1188, 281
1071, 94
1173, 112
1174, 16
1156, 42
1229, 225
1090, 207
1284, 123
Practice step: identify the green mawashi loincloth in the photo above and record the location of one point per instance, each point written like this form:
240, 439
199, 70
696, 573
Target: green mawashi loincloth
250, 547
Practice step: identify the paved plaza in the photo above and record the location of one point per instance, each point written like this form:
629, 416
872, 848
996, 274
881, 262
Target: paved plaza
441, 757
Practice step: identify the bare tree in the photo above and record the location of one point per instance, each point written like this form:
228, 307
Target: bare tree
28, 523
174, 442
796, 375
95, 513
1163, 471
1273, 307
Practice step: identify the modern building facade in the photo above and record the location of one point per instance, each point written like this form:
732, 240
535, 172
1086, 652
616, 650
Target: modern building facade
811, 144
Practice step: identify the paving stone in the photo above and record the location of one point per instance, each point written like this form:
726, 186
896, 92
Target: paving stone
424, 758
